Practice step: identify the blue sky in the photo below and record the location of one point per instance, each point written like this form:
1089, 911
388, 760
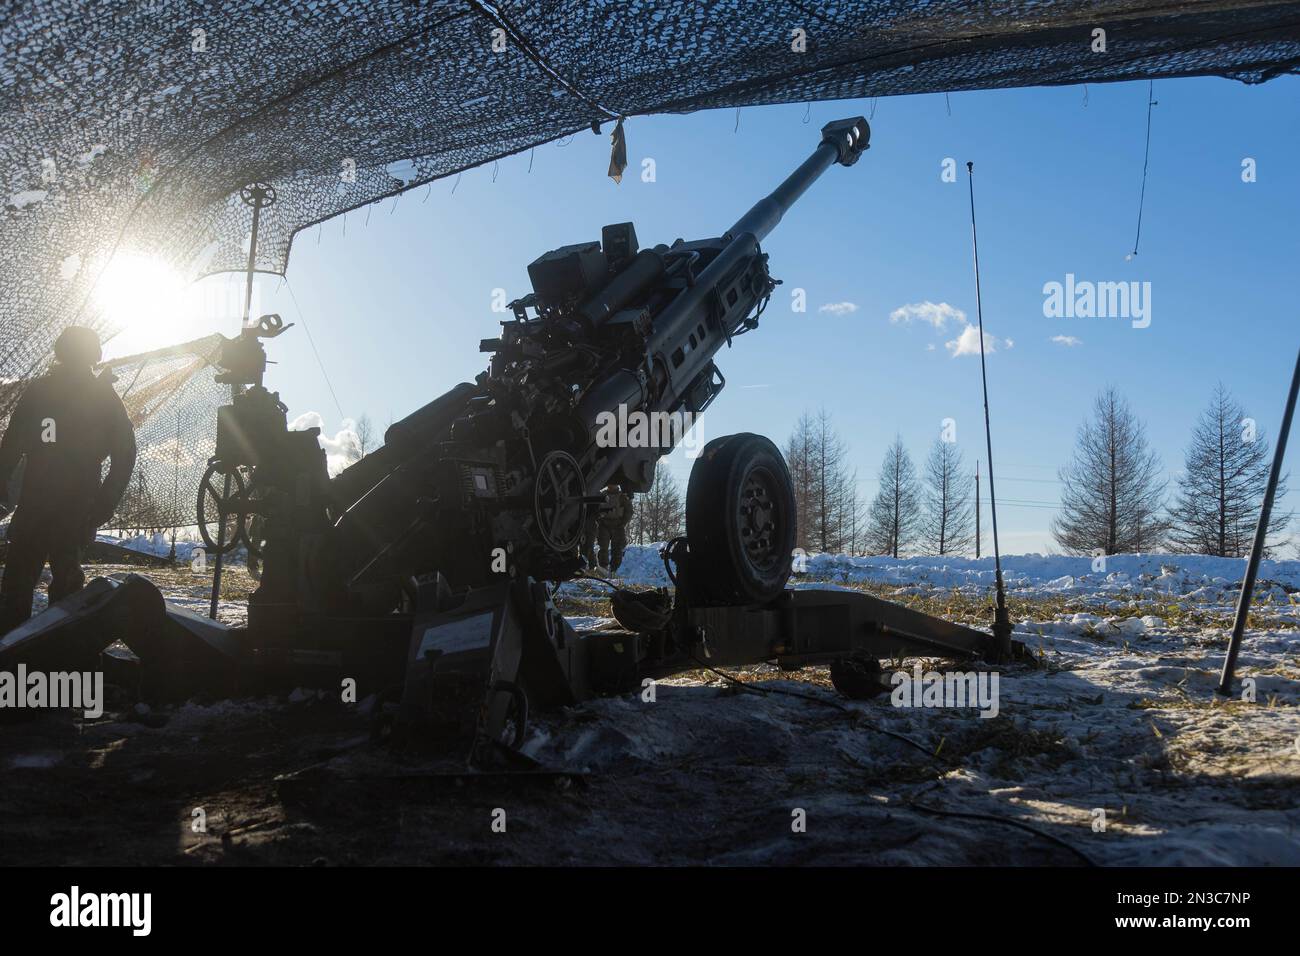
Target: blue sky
397, 306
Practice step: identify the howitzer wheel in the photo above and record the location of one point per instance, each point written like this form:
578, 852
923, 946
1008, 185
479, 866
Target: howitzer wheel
740, 521
557, 501
220, 507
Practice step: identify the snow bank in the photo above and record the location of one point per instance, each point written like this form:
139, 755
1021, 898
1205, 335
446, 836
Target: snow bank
1156, 574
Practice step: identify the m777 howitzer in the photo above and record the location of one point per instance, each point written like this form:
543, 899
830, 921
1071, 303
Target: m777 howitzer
425, 571
511, 464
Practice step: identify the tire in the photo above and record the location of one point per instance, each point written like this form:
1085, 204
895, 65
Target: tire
740, 521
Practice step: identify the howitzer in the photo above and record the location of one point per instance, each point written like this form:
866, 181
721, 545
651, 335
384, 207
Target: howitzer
424, 571
496, 476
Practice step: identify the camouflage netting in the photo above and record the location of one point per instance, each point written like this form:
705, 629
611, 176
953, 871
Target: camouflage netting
171, 396
133, 125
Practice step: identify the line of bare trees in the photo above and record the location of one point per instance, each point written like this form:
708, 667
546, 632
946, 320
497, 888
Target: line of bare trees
928, 513
1114, 497
660, 513
829, 516
931, 512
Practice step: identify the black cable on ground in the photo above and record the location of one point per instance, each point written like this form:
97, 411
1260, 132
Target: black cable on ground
584, 576
817, 700
993, 818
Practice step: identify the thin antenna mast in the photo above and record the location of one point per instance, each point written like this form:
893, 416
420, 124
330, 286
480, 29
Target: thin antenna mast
1001, 620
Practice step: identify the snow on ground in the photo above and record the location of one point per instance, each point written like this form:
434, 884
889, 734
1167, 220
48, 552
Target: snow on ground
1157, 575
1114, 747
1119, 725
159, 544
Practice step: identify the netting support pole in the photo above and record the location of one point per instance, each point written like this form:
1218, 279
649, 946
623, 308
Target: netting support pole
252, 262
1261, 533
221, 547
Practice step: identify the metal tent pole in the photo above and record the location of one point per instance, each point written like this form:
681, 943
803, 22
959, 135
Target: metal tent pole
1261, 532
256, 195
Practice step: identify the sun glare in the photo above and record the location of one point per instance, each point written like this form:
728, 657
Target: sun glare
144, 298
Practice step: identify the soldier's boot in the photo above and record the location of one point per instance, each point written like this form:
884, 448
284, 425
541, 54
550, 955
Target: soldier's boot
618, 545
602, 549
66, 571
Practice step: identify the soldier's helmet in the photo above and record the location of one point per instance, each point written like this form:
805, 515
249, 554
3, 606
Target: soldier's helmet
77, 345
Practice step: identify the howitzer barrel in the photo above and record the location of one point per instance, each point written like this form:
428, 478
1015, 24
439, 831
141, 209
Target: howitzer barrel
707, 313
842, 142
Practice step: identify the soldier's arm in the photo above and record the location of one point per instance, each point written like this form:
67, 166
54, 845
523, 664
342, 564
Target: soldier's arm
18, 437
122, 452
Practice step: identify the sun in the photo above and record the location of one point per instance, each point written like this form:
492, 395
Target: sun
144, 298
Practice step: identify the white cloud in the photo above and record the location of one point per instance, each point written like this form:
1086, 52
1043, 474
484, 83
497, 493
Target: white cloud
968, 343
937, 314
930, 347
1069, 341
341, 450
839, 308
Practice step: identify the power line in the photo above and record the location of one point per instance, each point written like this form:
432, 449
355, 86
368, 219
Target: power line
1146, 159
306, 328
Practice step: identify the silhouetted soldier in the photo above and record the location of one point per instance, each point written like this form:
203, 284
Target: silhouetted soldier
613, 521
66, 423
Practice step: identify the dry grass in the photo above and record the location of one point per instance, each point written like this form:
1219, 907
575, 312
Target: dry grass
236, 583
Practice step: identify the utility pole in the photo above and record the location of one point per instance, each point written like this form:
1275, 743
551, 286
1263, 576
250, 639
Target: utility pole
977, 509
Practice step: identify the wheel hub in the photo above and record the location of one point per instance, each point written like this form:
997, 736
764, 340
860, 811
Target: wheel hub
758, 519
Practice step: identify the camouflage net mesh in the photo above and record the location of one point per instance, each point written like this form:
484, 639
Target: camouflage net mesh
133, 125
171, 397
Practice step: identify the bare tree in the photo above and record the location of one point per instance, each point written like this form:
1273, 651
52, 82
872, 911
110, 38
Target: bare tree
894, 517
853, 518
947, 526
799, 460
365, 435
659, 514
1222, 486
828, 510
1113, 495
